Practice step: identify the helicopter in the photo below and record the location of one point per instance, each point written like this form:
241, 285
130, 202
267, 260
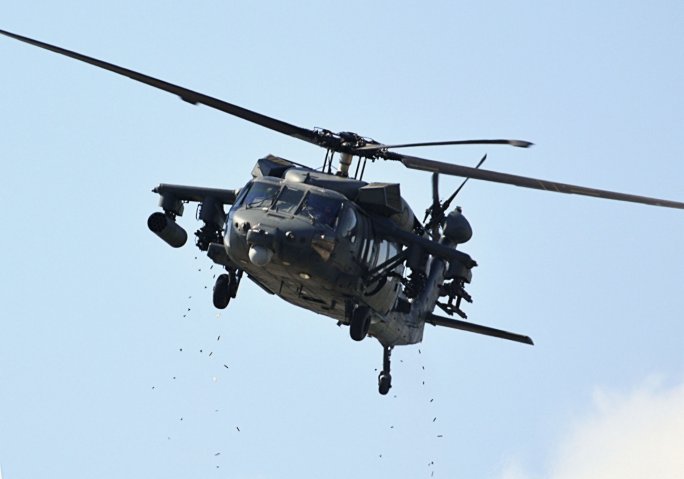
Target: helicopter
329, 242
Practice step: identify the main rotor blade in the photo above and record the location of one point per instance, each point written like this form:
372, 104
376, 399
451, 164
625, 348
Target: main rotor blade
458, 190
423, 164
518, 143
435, 190
185, 94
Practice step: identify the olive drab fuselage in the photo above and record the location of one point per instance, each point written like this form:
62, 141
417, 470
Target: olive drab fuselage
318, 246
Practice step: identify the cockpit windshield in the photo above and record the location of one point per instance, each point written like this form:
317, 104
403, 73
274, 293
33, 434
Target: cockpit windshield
314, 207
261, 195
288, 201
321, 209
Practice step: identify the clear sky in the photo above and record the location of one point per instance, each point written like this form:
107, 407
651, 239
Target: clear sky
114, 363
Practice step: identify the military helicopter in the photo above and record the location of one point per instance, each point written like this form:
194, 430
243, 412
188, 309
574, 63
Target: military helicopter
332, 243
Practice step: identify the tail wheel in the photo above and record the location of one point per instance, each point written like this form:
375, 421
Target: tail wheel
384, 383
385, 378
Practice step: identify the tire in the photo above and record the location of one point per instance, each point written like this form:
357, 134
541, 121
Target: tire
360, 323
384, 383
222, 289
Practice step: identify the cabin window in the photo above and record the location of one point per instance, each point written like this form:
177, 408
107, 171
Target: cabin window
288, 201
365, 247
383, 252
393, 250
321, 209
261, 195
372, 257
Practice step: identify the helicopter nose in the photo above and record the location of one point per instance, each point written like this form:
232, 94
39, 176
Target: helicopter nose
260, 255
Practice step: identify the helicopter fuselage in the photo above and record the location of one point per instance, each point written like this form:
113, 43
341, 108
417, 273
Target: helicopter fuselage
313, 247
338, 246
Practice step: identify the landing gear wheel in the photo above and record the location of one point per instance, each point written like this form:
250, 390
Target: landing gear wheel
222, 291
360, 323
384, 383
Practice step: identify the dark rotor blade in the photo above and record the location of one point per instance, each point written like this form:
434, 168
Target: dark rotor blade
477, 328
423, 164
458, 190
435, 190
518, 143
185, 94
436, 210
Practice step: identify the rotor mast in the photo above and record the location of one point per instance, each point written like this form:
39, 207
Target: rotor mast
345, 163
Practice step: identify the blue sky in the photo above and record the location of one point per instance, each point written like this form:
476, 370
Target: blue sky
96, 309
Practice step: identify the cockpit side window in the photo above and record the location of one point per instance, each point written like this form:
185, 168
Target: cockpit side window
261, 195
347, 223
241, 194
288, 201
321, 209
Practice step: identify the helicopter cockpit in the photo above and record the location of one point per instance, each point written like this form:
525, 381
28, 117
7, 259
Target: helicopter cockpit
259, 195
285, 200
321, 209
